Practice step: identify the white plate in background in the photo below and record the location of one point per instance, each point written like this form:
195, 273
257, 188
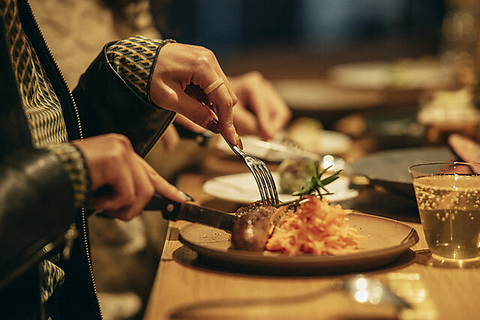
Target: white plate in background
318, 95
389, 75
241, 188
327, 142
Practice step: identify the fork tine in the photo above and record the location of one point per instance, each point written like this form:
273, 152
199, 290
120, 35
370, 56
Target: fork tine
261, 187
270, 186
268, 183
263, 176
265, 191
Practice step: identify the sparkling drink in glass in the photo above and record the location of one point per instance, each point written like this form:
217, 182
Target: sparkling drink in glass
448, 199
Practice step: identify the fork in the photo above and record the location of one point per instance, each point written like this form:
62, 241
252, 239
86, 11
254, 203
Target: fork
263, 176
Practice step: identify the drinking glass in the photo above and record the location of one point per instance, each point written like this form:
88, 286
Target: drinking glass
448, 199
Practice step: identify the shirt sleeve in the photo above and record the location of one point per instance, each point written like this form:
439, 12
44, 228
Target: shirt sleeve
134, 60
75, 164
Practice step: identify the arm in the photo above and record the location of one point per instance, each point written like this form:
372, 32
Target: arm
28, 217
108, 103
126, 90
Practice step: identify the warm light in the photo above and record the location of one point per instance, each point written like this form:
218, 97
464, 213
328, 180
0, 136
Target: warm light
376, 296
328, 161
361, 284
361, 296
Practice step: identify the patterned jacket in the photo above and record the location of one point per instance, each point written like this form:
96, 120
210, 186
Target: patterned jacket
40, 193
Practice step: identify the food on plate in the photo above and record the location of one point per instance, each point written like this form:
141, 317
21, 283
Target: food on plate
447, 112
306, 132
308, 224
444, 106
407, 73
314, 227
294, 174
253, 227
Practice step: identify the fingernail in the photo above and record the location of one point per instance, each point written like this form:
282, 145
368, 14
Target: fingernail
239, 141
188, 197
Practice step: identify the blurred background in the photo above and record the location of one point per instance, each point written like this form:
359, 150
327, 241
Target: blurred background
230, 26
332, 59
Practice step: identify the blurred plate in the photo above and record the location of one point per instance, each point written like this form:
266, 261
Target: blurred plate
328, 142
390, 168
391, 75
386, 241
241, 188
317, 95
397, 128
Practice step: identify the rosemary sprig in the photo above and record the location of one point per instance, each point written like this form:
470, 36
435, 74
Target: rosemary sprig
314, 187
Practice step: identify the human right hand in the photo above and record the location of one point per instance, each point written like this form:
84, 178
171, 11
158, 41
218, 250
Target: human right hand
113, 163
260, 110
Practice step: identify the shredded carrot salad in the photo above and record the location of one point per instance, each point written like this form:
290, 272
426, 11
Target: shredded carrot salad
315, 227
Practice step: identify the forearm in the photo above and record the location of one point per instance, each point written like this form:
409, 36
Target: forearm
36, 201
108, 103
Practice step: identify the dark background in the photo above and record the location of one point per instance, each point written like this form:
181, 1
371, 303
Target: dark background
227, 26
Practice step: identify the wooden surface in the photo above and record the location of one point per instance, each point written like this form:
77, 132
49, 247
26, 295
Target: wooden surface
187, 287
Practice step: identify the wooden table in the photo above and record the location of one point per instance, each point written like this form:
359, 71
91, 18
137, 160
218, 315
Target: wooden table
190, 288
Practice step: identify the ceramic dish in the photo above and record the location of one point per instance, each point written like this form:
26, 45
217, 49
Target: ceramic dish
386, 241
390, 168
390, 75
317, 95
328, 142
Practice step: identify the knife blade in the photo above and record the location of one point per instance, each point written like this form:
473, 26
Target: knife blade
173, 211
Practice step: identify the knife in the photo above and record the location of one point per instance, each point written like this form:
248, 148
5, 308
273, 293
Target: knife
173, 211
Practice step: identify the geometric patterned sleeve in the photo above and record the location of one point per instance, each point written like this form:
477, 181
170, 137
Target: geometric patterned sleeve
134, 60
74, 163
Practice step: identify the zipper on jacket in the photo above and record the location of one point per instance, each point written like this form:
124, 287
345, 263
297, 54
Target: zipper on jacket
80, 136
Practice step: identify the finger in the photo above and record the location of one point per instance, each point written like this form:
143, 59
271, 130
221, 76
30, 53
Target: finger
199, 112
465, 148
273, 123
245, 121
125, 203
144, 191
222, 104
222, 98
271, 111
163, 187
122, 192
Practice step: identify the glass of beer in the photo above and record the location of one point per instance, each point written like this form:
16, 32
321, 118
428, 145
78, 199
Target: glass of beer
448, 199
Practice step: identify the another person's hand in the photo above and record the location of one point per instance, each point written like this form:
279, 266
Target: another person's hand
131, 181
466, 149
180, 65
260, 111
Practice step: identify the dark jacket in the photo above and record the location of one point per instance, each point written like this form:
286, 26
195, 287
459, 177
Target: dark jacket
36, 196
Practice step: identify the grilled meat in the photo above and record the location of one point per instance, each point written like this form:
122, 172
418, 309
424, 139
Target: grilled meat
253, 227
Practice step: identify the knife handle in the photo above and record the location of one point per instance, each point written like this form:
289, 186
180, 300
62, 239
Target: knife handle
168, 208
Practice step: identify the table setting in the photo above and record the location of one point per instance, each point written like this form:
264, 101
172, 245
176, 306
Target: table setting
403, 201
200, 276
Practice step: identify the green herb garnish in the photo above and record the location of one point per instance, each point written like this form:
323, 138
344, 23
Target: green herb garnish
315, 186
